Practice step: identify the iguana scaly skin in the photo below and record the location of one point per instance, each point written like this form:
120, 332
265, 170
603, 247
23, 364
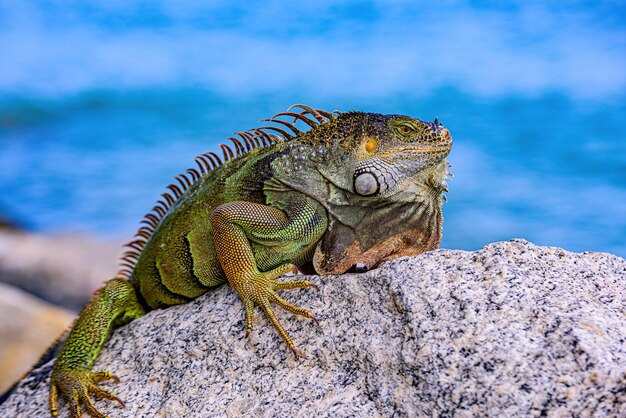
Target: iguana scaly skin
354, 188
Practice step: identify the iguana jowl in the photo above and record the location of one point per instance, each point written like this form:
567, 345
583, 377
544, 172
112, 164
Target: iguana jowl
355, 187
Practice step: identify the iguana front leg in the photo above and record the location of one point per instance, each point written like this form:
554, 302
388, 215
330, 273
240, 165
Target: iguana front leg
280, 237
113, 305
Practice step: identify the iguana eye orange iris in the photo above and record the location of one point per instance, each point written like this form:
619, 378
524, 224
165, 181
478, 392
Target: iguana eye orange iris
370, 145
405, 129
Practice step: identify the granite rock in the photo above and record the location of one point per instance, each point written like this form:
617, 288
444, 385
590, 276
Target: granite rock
62, 269
28, 326
510, 330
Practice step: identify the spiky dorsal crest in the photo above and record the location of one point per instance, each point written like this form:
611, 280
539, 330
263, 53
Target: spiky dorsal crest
248, 142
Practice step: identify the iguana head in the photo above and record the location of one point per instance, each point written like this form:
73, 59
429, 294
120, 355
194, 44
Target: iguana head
381, 179
394, 149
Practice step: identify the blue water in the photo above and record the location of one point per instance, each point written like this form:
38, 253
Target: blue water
103, 102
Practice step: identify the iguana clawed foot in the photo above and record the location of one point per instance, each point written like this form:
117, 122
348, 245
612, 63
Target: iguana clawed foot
260, 289
76, 387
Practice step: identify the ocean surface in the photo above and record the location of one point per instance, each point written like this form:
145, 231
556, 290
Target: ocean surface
103, 102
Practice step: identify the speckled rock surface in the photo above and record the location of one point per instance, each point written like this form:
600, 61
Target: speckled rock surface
510, 330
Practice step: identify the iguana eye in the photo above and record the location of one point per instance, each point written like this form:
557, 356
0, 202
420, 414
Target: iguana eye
406, 129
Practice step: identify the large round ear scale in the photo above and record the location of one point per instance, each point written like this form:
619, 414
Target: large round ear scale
366, 184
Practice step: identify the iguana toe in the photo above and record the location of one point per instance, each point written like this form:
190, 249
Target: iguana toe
260, 289
77, 387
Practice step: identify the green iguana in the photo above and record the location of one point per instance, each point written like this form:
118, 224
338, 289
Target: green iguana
354, 188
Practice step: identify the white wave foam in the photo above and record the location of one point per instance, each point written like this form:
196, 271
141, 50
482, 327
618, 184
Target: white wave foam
332, 49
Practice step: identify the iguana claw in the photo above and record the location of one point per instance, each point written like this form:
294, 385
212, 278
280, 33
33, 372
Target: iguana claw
76, 386
260, 289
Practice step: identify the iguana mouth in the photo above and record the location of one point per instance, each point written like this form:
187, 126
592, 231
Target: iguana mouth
442, 139
420, 149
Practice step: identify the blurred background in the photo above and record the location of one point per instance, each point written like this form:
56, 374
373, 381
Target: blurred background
102, 102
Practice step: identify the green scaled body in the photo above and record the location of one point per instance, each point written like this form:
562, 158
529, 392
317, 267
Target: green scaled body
315, 191
179, 262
